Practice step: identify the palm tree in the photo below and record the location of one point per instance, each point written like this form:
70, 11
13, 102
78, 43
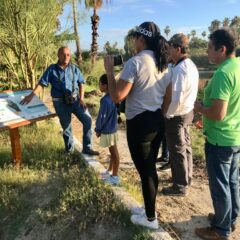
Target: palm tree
235, 24
193, 33
95, 4
215, 24
167, 30
77, 37
95, 22
106, 46
226, 22
204, 34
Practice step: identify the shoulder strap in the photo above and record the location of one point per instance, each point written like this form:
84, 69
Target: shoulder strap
73, 78
57, 72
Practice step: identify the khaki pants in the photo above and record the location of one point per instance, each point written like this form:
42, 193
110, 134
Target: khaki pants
180, 151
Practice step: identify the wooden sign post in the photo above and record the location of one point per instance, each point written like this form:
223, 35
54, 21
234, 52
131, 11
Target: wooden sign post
16, 147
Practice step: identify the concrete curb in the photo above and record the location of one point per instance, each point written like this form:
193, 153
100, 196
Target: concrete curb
120, 192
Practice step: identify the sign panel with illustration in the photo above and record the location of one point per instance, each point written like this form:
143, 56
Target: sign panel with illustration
11, 111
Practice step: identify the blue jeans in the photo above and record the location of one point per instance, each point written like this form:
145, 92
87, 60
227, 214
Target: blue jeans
64, 113
222, 166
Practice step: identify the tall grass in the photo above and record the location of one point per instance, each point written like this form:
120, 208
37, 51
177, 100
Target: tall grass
56, 196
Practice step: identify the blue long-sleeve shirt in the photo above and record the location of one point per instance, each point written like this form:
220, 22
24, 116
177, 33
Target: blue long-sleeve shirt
106, 122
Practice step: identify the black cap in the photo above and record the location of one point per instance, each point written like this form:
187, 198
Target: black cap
147, 29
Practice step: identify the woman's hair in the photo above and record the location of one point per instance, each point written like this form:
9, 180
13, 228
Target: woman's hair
103, 79
158, 45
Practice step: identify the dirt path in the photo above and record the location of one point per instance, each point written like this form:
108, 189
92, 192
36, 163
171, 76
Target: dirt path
182, 214
178, 214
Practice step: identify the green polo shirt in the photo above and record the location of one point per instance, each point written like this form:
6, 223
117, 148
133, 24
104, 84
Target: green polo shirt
224, 85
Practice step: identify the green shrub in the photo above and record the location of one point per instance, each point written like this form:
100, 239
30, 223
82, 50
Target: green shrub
85, 68
92, 80
86, 55
201, 61
198, 43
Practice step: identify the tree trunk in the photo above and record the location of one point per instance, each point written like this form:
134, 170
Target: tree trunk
32, 77
30, 73
77, 37
24, 74
12, 68
94, 46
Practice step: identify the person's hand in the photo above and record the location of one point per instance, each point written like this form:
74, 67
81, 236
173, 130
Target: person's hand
198, 106
109, 64
98, 134
83, 104
27, 99
199, 124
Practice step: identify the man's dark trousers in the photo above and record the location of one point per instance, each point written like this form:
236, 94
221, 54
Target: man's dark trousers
180, 151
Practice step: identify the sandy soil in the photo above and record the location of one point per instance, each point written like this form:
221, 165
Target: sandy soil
179, 215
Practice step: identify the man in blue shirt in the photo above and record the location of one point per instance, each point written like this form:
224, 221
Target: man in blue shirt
67, 95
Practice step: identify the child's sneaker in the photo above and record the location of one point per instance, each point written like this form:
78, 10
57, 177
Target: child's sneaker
105, 175
143, 221
113, 180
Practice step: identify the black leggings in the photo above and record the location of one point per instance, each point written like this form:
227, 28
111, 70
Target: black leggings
144, 135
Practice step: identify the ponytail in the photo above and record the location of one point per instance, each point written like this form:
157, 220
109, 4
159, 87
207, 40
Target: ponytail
159, 46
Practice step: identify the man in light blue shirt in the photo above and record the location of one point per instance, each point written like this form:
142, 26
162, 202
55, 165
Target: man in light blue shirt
67, 94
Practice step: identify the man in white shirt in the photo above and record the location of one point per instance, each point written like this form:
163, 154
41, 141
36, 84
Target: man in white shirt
184, 84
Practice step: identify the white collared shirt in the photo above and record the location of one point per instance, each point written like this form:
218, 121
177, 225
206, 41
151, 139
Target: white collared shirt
184, 80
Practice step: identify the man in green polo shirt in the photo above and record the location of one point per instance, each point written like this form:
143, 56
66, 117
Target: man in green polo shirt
221, 125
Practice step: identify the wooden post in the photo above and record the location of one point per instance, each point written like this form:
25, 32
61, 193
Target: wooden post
16, 147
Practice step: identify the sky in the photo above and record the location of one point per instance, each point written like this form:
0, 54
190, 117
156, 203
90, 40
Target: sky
119, 16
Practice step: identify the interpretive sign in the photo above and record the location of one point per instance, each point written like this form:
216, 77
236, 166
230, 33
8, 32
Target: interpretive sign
13, 115
11, 111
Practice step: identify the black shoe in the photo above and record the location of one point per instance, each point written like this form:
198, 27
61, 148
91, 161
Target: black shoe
165, 168
162, 159
90, 152
174, 191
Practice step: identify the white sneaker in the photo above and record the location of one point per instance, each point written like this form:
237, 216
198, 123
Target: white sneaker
113, 180
143, 221
140, 211
105, 175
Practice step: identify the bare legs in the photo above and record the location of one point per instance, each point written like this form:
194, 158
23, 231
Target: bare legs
114, 160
